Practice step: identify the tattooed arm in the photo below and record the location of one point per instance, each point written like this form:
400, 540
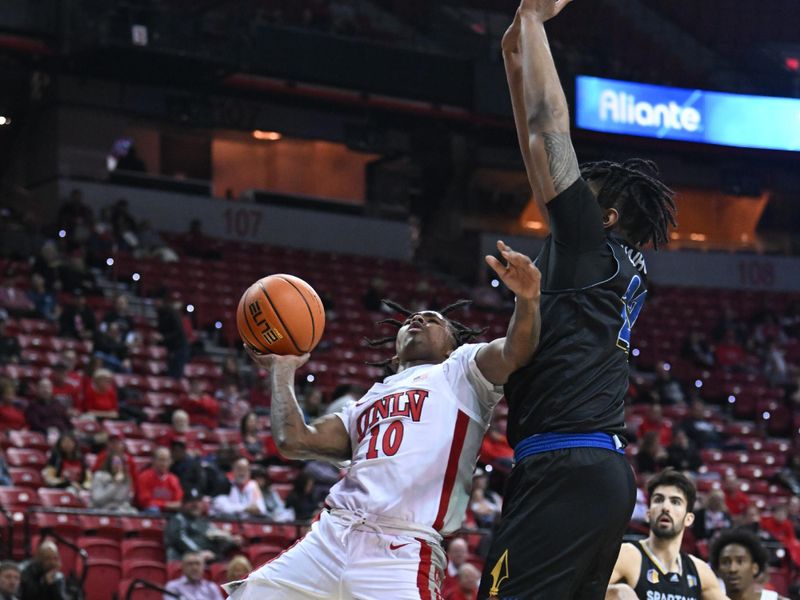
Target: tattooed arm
540, 106
326, 438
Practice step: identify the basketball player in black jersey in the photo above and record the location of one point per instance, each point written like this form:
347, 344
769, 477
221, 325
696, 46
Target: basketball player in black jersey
739, 558
655, 568
571, 492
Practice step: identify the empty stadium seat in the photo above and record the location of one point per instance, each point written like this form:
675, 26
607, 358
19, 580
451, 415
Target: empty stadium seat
55, 498
105, 526
26, 457
149, 550
26, 477
144, 569
102, 576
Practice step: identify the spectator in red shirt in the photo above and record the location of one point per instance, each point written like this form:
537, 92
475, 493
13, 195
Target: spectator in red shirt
202, 408
779, 526
100, 395
11, 417
468, 579
495, 450
729, 353
654, 421
44, 413
66, 467
179, 431
158, 489
116, 447
735, 499
457, 554
70, 360
65, 390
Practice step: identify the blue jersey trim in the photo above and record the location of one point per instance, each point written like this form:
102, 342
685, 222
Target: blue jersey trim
547, 442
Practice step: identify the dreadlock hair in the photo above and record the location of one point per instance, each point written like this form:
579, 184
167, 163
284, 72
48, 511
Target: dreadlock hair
646, 206
461, 333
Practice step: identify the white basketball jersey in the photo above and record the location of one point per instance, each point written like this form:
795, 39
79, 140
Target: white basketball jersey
415, 440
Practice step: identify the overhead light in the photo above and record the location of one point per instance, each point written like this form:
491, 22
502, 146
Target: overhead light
5, 120
534, 225
697, 237
269, 136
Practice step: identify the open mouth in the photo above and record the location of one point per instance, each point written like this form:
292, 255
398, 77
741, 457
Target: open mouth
665, 521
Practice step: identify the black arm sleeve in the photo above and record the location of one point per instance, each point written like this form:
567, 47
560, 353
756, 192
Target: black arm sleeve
579, 255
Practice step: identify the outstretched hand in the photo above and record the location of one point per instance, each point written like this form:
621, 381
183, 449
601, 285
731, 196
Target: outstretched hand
269, 362
519, 274
543, 9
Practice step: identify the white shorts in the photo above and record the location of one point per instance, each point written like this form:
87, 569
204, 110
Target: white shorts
342, 561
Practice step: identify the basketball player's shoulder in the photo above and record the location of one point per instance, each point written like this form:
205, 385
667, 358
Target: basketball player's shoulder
629, 562
708, 579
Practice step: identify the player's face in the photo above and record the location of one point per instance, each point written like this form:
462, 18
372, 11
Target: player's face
667, 513
736, 568
425, 336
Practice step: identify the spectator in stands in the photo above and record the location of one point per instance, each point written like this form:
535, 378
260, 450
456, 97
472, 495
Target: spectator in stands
43, 300
275, 509
41, 577
781, 528
120, 314
47, 264
180, 428
729, 354
9, 580
123, 222
457, 554
232, 404
735, 499
244, 499
70, 361
110, 346
9, 345
202, 408
495, 450
170, 326
260, 397
65, 391
712, 518
484, 504
469, 578
739, 558
651, 457
75, 275
100, 395
654, 421
11, 417
789, 475
312, 403
75, 217
669, 390
186, 467
192, 584
112, 486
115, 447
152, 245
751, 521
231, 373
77, 320
682, 454
238, 568
190, 531
324, 474
301, 499
343, 395
776, 369
5, 474
66, 466
196, 243
44, 412
252, 443
698, 351
700, 430
158, 489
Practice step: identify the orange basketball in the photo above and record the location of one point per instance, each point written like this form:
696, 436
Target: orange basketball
280, 314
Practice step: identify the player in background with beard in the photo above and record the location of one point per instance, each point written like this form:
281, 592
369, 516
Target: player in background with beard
655, 568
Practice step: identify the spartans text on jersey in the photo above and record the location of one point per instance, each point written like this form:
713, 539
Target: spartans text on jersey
653, 595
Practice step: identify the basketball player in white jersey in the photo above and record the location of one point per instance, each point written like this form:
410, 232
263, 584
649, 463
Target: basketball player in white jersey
413, 440
738, 557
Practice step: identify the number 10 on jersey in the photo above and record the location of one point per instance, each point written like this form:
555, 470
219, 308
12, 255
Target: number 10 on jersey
391, 438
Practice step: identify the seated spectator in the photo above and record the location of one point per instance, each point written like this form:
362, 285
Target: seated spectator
735, 499
110, 346
789, 475
66, 466
170, 326
712, 518
179, 431
275, 509
669, 390
781, 528
238, 568
75, 275
651, 457
201, 407
191, 531
100, 395
75, 217
469, 577
343, 395
698, 351
44, 412
115, 446
457, 554
77, 320
41, 577
9, 345
9, 580
47, 264
682, 454
301, 499
44, 301
65, 390
232, 404
112, 486
120, 315
11, 417
495, 450
729, 354
312, 403
192, 584
324, 474
776, 368
484, 504
244, 499
158, 489
252, 443
700, 430
152, 245
70, 361
654, 421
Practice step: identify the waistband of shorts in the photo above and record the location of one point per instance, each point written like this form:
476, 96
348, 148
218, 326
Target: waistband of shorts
547, 442
384, 524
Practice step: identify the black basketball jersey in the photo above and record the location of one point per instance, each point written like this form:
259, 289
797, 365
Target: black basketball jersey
655, 583
578, 377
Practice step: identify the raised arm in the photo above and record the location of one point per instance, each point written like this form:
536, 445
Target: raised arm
325, 438
540, 105
501, 357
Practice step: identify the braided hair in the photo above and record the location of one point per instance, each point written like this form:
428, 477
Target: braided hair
461, 333
646, 206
